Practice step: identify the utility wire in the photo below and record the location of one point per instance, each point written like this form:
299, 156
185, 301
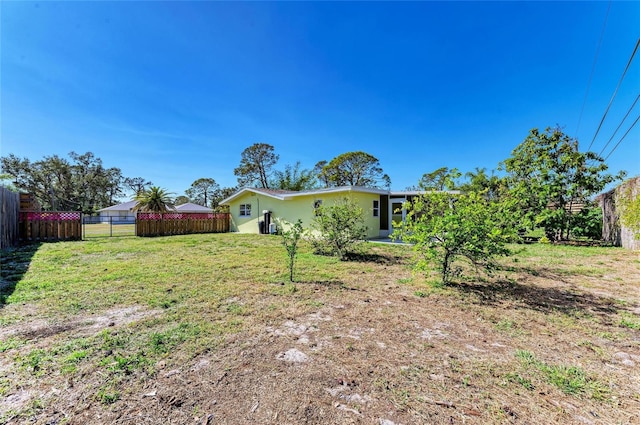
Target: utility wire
593, 68
621, 122
620, 141
614, 93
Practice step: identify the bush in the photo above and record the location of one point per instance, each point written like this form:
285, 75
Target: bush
339, 228
445, 227
587, 223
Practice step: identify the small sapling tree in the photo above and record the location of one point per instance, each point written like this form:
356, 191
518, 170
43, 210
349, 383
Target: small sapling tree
291, 235
444, 227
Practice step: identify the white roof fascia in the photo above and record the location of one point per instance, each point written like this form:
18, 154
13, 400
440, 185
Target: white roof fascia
356, 189
249, 189
286, 196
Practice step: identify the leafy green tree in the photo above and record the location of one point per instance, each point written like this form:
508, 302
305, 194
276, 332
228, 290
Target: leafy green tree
548, 176
81, 183
137, 184
444, 228
441, 179
493, 187
181, 200
353, 169
291, 235
113, 184
154, 199
339, 228
49, 179
16, 168
219, 196
588, 222
92, 185
293, 178
317, 172
255, 165
6, 181
202, 191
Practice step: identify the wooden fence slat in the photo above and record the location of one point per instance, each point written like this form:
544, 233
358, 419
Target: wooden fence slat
9, 217
50, 226
156, 224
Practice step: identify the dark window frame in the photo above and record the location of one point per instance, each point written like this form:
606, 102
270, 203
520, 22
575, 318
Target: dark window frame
245, 210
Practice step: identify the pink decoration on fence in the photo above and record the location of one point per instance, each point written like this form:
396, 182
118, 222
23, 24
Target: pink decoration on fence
50, 216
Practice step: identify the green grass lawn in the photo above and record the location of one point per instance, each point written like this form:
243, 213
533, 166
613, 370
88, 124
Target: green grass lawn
95, 230
112, 315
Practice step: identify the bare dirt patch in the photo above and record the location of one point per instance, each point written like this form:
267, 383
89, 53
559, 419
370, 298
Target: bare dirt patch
41, 334
80, 325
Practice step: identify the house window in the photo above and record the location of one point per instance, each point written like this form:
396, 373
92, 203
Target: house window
376, 208
316, 206
245, 210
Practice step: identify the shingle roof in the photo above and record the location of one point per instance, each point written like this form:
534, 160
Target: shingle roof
125, 206
191, 207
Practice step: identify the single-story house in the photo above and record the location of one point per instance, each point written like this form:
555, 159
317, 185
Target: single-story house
118, 213
257, 210
124, 212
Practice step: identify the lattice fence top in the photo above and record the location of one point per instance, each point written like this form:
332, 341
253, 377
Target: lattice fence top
51, 216
180, 216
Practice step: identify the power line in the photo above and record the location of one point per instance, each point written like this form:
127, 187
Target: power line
625, 135
614, 93
620, 125
593, 68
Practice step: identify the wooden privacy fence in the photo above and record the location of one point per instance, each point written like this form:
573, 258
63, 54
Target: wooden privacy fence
9, 209
167, 224
50, 226
613, 230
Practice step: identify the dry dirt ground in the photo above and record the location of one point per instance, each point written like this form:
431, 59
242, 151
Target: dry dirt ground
377, 351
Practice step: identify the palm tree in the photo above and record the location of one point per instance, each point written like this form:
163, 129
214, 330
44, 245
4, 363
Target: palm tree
155, 199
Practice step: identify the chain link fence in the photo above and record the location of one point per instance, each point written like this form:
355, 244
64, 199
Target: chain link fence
96, 226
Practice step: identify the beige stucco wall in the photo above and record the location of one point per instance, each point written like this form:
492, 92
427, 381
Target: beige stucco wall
300, 207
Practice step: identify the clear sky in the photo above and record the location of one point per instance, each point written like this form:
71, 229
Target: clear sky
174, 91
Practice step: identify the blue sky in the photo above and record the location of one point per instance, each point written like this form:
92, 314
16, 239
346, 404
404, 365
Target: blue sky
174, 91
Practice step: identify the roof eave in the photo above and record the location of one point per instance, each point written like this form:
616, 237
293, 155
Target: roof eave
251, 190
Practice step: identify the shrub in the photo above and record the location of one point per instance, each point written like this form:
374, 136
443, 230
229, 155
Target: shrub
445, 227
588, 223
339, 228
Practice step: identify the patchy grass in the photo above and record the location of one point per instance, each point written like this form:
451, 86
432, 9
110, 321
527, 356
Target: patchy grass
569, 379
179, 328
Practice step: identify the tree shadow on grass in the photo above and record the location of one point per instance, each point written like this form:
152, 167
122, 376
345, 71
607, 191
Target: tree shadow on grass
331, 284
539, 298
14, 263
369, 257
